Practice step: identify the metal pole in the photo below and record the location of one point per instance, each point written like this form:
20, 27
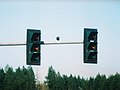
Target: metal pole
13, 44
62, 43
48, 43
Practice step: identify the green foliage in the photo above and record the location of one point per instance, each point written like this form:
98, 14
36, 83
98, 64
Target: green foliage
20, 79
2, 76
9, 81
57, 82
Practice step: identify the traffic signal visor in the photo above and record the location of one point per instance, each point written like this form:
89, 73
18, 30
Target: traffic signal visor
35, 37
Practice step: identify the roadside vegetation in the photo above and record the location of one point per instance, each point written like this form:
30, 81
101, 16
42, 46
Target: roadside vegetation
24, 79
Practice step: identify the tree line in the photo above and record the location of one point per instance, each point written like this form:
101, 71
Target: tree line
19, 79
24, 79
56, 81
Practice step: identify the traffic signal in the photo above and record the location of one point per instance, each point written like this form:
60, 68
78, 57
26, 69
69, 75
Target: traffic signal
33, 47
90, 45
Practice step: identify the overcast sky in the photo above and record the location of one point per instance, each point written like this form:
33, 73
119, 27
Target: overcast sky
66, 19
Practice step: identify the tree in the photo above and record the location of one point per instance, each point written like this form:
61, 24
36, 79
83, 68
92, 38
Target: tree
84, 84
114, 82
100, 82
21, 79
103, 83
9, 80
2, 76
90, 83
72, 83
59, 82
31, 78
65, 82
51, 79
97, 82
79, 83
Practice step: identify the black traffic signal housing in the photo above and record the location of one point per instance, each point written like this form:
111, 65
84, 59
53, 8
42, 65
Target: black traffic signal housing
90, 45
33, 47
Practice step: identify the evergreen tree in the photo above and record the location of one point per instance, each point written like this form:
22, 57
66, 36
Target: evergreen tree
100, 82
72, 83
97, 82
65, 82
51, 79
79, 83
103, 83
2, 76
75, 83
90, 83
20, 79
9, 81
114, 82
84, 84
25, 79
59, 82
31, 78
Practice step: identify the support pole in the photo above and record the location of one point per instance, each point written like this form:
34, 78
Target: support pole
42, 43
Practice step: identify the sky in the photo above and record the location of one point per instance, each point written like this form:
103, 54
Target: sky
66, 19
